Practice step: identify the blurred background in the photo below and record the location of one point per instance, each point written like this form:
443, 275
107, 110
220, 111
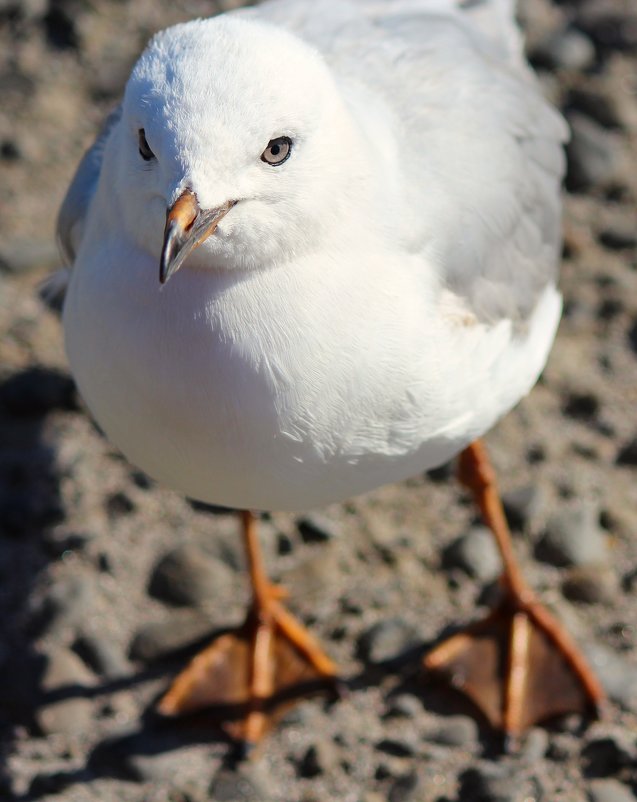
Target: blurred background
107, 581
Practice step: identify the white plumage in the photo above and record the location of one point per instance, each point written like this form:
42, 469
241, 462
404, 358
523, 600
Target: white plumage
367, 308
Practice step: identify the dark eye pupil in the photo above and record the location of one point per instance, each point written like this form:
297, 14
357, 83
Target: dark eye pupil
275, 150
144, 148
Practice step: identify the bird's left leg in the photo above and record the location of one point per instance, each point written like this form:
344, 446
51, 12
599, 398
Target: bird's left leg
248, 674
518, 665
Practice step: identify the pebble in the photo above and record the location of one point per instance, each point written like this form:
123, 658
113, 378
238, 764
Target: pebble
627, 454
322, 757
188, 576
619, 237
494, 783
66, 603
396, 747
316, 528
573, 537
159, 639
591, 584
243, 785
593, 155
604, 757
72, 715
523, 505
616, 673
609, 791
567, 49
475, 553
103, 654
407, 788
455, 731
36, 391
535, 745
387, 641
27, 255
403, 705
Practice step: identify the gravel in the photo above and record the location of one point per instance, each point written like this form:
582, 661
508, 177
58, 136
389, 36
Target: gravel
107, 579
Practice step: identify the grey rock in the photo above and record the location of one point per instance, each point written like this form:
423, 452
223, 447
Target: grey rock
320, 758
67, 603
619, 236
523, 505
627, 454
403, 705
407, 788
617, 675
495, 783
316, 528
590, 584
573, 537
188, 576
26, 255
72, 715
567, 49
396, 747
593, 155
386, 641
156, 640
603, 757
475, 553
243, 785
535, 745
455, 731
102, 654
609, 791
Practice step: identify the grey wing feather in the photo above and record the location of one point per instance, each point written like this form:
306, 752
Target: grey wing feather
72, 213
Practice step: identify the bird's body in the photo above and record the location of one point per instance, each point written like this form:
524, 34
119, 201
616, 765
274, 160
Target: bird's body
348, 324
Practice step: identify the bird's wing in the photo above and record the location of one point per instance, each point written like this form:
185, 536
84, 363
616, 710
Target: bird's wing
472, 148
72, 214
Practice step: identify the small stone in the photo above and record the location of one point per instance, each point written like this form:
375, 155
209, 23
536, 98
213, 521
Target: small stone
494, 783
573, 537
396, 747
616, 673
102, 654
456, 731
403, 705
158, 640
37, 391
387, 641
609, 29
321, 758
522, 506
604, 757
25, 256
593, 157
188, 576
591, 585
475, 553
72, 715
609, 791
596, 105
535, 745
581, 406
66, 603
316, 528
628, 454
242, 785
568, 49
119, 504
619, 237
405, 789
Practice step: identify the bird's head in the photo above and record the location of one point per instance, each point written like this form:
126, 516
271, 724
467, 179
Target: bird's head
229, 151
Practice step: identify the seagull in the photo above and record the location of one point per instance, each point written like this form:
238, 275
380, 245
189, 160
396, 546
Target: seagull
313, 251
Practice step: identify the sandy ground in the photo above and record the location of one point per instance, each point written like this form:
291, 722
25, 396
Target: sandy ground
94, 621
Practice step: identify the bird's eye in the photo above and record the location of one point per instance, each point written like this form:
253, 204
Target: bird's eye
277, 151
144, 148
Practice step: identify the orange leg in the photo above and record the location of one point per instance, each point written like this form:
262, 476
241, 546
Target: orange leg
519, 665
252, 669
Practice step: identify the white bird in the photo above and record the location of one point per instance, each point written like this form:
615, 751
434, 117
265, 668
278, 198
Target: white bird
357, 204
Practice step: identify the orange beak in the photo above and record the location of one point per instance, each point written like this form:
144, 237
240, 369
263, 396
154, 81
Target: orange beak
187, 226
